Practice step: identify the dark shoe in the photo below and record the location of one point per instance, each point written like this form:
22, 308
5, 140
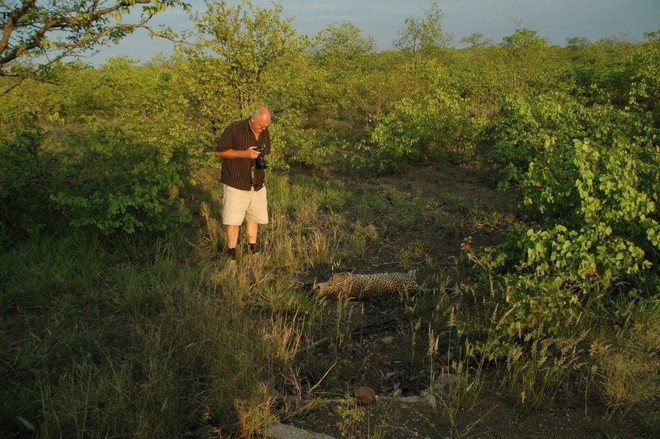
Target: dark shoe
253, 249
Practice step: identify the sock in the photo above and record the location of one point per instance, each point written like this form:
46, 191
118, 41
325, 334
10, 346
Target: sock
252, 248
231, 252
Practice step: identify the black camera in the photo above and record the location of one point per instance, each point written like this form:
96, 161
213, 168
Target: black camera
260, 161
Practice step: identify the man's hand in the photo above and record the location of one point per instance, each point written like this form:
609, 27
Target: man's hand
252, 152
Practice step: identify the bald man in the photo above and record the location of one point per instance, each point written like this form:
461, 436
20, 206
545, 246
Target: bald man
243, 181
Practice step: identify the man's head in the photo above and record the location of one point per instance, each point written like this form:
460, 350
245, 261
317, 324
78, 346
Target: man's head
260, 119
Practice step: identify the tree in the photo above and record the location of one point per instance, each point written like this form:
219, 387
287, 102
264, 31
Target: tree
342, 41
652, 37
236, 48
426, 34
49, 30
477, 40
577, 42
344, 61
525, 39
526, 51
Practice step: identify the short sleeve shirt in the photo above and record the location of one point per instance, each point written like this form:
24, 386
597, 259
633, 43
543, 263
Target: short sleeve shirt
241, 173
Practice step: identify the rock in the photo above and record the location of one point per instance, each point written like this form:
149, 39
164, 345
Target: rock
424, 398
443, 382
365, 395
205, 432
430, 400
278, 430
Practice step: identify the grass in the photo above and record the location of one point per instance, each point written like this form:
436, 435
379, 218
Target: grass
152, 338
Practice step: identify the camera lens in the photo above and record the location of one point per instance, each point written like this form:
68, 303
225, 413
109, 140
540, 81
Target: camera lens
260, 161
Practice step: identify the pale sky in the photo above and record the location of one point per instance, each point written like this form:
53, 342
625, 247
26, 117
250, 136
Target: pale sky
555, 20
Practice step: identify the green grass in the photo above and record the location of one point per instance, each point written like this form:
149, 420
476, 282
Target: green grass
149, 338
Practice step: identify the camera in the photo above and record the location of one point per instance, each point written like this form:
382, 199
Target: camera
260, 161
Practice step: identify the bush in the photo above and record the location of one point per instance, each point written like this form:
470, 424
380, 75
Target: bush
295, 145
593, 197
434, 128
526, 122
111, 183
25, 180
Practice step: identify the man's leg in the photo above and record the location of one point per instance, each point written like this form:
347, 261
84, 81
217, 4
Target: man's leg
232, 239
257, 213
235, 203
252, 230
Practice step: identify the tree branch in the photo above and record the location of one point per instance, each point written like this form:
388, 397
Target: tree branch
84, 23
11, 23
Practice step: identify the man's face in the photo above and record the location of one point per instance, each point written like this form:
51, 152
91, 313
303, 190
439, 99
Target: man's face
259, 125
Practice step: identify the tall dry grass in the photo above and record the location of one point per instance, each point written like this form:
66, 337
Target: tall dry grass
155, 337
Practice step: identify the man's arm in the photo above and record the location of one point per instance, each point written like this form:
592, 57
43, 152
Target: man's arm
250, 153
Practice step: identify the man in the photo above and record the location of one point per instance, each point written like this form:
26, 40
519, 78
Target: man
244, 190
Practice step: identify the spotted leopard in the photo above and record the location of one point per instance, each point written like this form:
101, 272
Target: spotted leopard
360, 286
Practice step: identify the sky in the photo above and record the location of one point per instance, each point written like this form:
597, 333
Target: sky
383, 20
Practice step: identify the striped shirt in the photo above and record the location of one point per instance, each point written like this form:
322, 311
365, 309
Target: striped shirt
241, 173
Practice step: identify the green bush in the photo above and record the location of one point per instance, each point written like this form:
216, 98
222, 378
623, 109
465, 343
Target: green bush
25, 180
434, 128
114, 184
622, 75
593, 199
525, 122
294, 144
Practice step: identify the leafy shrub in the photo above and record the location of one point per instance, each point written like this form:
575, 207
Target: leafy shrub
623, 77
527, 121
588, 184
433, 128
114, 184
25, 175
295, 145
644, 90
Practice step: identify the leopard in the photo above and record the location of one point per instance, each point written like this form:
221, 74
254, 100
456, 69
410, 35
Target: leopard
362, 286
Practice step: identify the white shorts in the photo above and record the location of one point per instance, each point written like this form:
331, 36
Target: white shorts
238, 205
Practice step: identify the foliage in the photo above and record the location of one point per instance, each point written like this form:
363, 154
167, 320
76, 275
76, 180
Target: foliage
424, 35
25, 179
114, 184
534, 67
526, 122
341, 43
342, 59
157, 135
524, 40
54, 30
114, 148
476, 40
236, 46
620, 74
295, 145
590, 185
425, 131
643, 88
